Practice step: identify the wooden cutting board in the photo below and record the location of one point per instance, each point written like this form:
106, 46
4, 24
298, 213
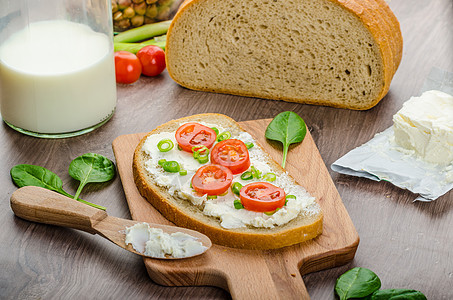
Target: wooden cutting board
249, 274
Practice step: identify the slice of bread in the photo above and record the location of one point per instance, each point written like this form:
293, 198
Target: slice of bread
307, 225
326, 52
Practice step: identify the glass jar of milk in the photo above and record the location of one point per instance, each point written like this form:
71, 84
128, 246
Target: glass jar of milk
57, 72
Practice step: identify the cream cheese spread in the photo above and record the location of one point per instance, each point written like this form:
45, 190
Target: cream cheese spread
223, 206
154, 242
424, 125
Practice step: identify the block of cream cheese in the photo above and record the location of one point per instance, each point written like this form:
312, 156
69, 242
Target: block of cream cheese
425, 125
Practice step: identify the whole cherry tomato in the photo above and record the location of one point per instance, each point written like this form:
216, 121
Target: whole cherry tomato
262, 197
127, 67
152, 59
212, 180
190, 135
232, 154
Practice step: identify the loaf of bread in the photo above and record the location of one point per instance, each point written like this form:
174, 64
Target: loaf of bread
298, 227
340, 53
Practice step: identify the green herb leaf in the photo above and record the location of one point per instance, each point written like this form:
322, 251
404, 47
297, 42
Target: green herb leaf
288, 128
357, 283
91, 167
397, 294
31, 175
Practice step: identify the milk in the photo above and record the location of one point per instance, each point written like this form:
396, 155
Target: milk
57, 77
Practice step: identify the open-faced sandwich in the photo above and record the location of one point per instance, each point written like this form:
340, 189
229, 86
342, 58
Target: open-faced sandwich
206, 173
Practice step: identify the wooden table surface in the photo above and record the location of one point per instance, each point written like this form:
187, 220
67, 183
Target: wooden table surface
409, 245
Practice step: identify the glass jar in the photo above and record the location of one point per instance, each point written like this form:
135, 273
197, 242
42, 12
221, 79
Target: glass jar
57, 71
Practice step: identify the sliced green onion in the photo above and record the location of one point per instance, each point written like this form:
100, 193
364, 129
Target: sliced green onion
161, 161
165, 145
183, 172
171, 166
201, 153
289, 197
236, 188
224, 194
238, 204
179, 148
255, 172
199, 150
203, 159
269, 177
211, 197
270, 213
191, 184
216, 130
249, 145
247, 175
223, 136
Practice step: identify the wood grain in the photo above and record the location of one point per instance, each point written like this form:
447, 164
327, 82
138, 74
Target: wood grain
409, 245
271, 273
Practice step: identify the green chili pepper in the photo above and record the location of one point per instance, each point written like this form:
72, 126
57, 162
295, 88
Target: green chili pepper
236, 188
211, 197
247, 175
201, 153
223, 136
249, 145
171, 166
183, 172
179, 148
161, 161
165, 145
269, 177
238, 204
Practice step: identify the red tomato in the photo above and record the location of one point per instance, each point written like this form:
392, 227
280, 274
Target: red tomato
262, 197
232, 154
193, 134
152, 59
212, 180
127, 67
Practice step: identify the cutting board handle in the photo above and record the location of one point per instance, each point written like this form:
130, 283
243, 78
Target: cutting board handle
272, 280
44, 206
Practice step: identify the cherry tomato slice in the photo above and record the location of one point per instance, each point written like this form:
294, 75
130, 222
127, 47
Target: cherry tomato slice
262, 197
232, 154
152, 59
127, 67
190, 135
212, 180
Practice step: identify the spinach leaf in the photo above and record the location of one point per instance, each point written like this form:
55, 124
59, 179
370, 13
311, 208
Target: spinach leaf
31, 175
91, 167
357, 283
26, 175
397, 294
288, 128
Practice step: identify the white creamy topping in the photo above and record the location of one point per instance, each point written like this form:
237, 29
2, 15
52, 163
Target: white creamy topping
425, 126
223, 206
154, 242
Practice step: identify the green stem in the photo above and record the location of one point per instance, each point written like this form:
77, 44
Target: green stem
63, 192
141, 33
285, 152
79, 190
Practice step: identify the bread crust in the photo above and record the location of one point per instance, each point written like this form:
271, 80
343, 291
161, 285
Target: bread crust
184, 214
375, 15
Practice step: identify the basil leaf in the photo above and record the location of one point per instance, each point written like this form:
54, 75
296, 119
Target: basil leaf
91, 167
288, 128
357, 283
31, 175
397, 294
